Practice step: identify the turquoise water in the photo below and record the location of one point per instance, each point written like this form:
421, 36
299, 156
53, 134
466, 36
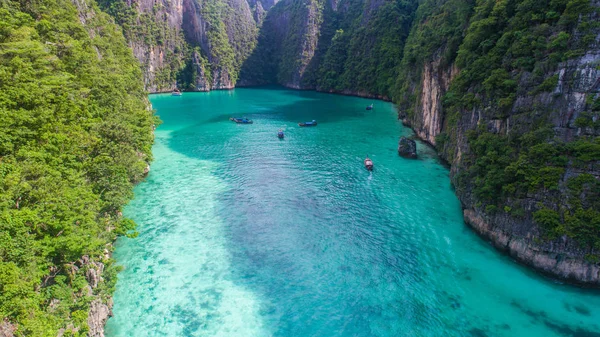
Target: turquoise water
243, 234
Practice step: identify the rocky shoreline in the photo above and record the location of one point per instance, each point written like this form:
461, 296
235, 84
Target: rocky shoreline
558, 265
100, 310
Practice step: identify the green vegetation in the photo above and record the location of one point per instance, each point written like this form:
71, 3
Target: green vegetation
150, 30
285, 44
299, 43
217, 60
505, 50
512, 166
221, 52
505, 171
364, 56
437, 32
506, 40
76, 136
309, 44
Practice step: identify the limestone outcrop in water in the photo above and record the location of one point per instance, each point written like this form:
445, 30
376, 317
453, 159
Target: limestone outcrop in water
407, 148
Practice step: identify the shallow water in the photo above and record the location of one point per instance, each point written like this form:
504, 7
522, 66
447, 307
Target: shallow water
243, 234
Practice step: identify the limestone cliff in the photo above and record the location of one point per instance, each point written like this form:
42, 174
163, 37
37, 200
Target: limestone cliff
190, 44
559, 255
286, 45
536, 217
346, 46
435, 81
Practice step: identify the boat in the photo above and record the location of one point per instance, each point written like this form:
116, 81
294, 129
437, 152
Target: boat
369, 164
280, 134
313, 123
176, 92
243, 120
370, 107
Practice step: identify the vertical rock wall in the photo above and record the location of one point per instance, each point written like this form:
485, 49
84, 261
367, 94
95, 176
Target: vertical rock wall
560, 107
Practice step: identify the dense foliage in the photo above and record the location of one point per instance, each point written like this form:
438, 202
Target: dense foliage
284, 45
355, 47
436, 35
367, 47
75, 137
507, 171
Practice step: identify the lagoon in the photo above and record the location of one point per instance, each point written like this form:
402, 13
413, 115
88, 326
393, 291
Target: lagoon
244, 234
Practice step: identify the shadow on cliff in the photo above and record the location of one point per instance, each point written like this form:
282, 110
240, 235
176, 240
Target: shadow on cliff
260, 67
266, 63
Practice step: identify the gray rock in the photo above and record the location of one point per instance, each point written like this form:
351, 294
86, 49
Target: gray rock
407, 148
99, 313
553, 261
7, 329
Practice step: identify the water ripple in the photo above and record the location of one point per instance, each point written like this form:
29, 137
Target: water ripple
243, 234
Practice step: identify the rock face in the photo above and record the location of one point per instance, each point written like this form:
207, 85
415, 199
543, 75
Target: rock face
434, 84
157, 42
190, 44
286, 45
549, 259
407, 148
7, 329
99, 311
563, 102
98, 315
344, 46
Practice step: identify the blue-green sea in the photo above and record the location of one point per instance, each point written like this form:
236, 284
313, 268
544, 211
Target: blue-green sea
244, 234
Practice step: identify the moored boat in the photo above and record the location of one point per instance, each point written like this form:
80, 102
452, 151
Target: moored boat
176, 92
369, 164
243, 120
313, 123
280, 134
370, 107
